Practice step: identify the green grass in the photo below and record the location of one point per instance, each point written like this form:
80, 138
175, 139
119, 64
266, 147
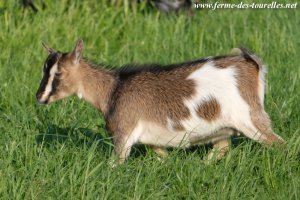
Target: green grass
61, 151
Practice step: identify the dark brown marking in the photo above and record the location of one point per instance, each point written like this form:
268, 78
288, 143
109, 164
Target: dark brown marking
209, 109
178, 126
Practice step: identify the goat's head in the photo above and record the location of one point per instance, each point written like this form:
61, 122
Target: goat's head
59, 74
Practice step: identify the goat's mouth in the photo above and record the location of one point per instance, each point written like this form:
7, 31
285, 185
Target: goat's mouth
41, 100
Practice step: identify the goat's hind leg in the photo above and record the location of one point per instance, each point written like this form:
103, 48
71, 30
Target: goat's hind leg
161, 151
262, 122
259, 129
220, 148
220, 145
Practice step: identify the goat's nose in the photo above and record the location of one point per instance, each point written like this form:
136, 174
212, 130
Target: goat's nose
39, 98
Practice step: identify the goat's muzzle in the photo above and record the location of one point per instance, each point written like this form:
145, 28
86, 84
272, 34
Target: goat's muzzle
40, 99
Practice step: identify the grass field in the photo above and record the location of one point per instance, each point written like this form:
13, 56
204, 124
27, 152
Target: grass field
61, 151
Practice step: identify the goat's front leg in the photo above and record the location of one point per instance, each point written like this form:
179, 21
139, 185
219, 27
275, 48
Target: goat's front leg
123, 145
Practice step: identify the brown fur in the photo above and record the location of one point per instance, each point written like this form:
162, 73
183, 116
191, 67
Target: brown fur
121, 104
97, 84
263, 123
162, 99
155, 97
209, 110
248, 85
159, 98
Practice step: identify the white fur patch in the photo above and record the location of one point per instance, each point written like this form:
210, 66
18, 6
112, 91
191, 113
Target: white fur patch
48, 88
219, 83
212, 82
79, 94
222, 85
261, 84
158, 135
170, 124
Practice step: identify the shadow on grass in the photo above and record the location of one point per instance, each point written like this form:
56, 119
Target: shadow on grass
200, 150
84, 136
72, 135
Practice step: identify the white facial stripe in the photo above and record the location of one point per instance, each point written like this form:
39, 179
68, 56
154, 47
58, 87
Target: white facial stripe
48, 88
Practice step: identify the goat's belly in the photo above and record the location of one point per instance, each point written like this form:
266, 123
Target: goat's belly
154, 134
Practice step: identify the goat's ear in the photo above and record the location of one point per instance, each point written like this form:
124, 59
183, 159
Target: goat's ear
49, 50
77, 52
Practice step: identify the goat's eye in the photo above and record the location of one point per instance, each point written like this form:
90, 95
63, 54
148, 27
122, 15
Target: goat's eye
57, 75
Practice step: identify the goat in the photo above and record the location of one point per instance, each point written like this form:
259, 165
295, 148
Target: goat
179, 105
30, 4
168, 6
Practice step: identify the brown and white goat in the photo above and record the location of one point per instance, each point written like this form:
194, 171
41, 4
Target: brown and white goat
197, 102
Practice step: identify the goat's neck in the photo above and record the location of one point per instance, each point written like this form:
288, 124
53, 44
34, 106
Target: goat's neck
96, 86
